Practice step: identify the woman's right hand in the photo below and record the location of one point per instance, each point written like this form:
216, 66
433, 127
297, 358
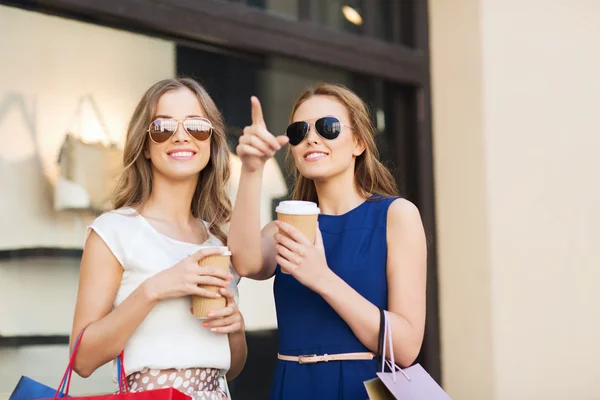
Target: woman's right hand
183, 278
257, 144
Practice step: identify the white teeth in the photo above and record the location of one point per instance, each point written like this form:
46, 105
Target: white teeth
182, 154
315, 155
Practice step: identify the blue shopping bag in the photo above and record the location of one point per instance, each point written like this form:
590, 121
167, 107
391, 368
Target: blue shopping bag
30, 389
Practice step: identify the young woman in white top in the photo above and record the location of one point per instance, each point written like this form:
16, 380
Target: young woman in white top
140, 262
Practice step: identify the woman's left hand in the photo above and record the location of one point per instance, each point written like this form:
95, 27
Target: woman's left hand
298, 256
228, 319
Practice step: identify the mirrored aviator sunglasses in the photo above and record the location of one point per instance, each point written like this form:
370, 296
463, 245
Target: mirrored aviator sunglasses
327, 127
162, 129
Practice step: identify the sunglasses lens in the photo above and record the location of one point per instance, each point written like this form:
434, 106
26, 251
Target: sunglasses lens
162, 129
296, 132
199, 128
328, 127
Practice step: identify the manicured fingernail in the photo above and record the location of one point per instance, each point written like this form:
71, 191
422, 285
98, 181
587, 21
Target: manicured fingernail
210, 315
204, 324
213, 329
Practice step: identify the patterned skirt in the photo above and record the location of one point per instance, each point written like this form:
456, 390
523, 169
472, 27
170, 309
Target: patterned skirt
198, 383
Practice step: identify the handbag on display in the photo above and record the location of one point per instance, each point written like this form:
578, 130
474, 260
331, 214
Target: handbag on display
88, 170
412, 383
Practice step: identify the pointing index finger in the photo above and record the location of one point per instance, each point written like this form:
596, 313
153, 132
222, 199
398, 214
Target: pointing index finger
257, 114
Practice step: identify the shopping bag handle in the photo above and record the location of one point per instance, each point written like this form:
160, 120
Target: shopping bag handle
65, 383
66, 379
380, 360
387, 338
121, 378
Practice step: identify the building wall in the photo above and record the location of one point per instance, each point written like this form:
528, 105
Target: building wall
515, 98
461, 199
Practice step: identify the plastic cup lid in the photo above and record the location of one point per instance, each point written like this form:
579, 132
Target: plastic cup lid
297, 207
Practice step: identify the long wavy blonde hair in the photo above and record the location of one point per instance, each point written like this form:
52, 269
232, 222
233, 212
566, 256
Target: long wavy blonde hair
371, 177
210, 201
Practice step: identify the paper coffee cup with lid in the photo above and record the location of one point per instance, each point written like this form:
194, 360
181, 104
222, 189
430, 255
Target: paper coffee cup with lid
201, 306
302, 215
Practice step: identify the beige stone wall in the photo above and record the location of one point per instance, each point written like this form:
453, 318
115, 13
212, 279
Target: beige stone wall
461, 197
515, 102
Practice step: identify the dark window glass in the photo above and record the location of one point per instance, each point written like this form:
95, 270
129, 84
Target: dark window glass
383, 19
284, 8
393, 20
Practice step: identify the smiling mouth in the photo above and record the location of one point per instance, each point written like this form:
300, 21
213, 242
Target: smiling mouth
315, 156
181, 155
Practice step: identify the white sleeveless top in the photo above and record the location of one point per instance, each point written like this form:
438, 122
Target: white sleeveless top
170, 336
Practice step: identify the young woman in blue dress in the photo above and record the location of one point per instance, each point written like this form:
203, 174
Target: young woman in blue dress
369, 252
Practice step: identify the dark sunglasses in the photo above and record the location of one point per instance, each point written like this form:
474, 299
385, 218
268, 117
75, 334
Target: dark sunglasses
163, 129
327, 127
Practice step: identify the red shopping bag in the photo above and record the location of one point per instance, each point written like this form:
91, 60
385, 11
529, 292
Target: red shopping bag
158, 394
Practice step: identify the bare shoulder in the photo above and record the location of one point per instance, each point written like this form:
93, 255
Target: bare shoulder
403, 213
406, 240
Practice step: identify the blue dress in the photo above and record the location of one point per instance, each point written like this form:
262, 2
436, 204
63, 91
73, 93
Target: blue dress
356, 250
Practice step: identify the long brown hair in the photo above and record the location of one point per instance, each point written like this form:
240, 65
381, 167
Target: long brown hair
210, 201
371, 177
